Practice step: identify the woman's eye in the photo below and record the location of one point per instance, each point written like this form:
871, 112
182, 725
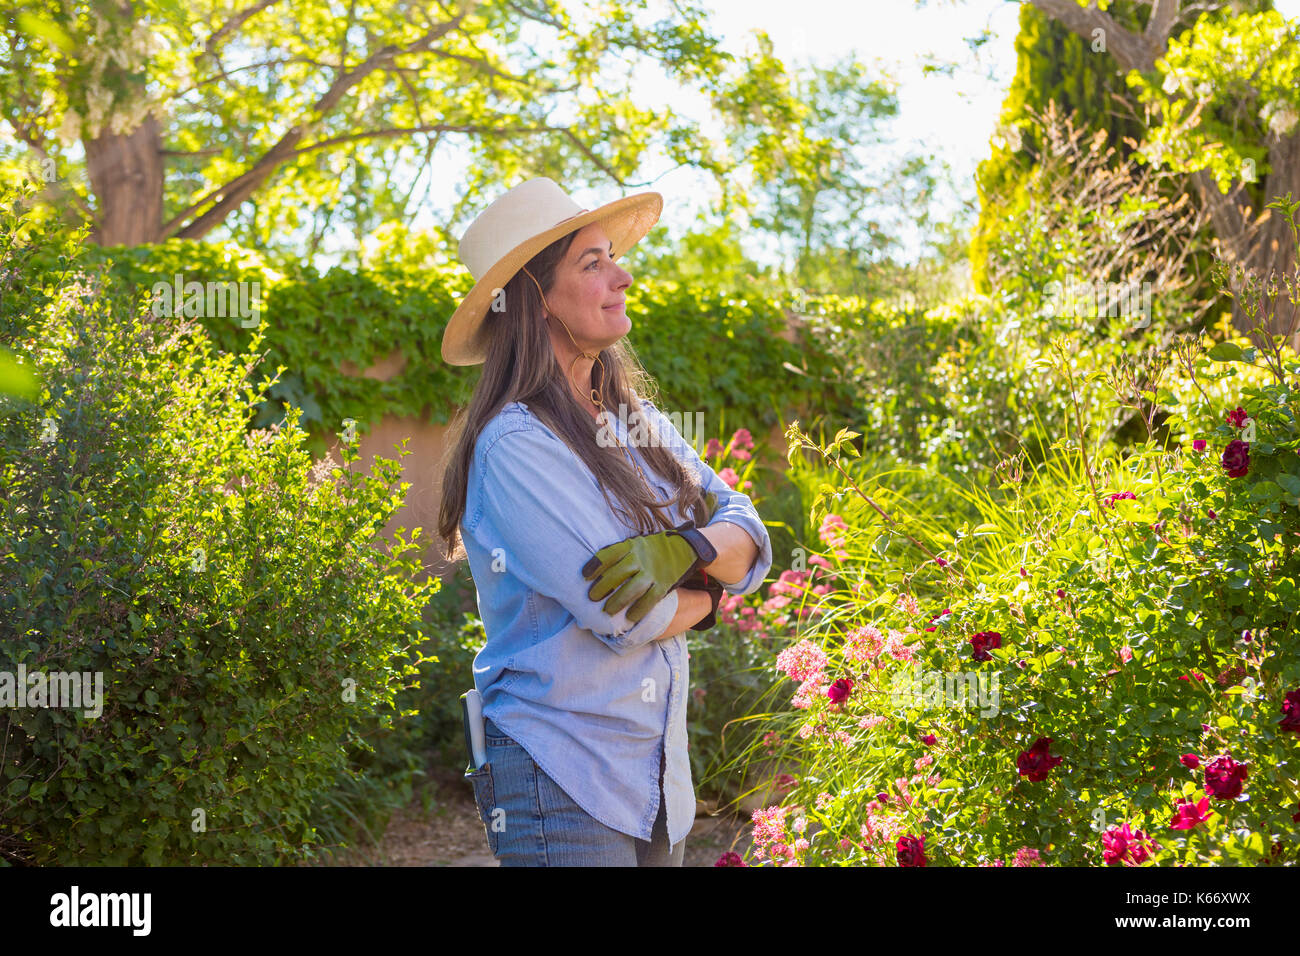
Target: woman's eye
594, 263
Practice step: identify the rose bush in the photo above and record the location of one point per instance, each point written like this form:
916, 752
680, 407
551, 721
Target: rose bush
1139, 703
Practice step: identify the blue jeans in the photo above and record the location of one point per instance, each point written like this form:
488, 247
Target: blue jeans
530, 821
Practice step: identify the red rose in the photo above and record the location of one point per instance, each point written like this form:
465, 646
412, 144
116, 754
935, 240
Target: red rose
1190, 761
1188, 815
983, 642
1291, 712
910, 850
840, 690
1237, 417
1035, 762
1224, 777
1198, 444
1236, 458
946, 610
930, 740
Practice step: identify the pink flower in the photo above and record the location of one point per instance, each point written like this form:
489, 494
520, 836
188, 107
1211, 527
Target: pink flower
1126, 653
730, 477
908, 604
929, 740
714, 447
1027, 856
1198, 444
1191, 761
864, 644
731, 859
804, 661
1188, 815
786, 782
742, 439
941, 562
896, 648
829, 532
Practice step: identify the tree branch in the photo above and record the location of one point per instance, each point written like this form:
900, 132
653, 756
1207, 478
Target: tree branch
233, 24
1131, 51
234, 193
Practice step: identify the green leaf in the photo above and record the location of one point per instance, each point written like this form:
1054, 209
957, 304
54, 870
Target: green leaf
1226, 352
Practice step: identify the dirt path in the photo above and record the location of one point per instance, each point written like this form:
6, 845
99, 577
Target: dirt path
451, 834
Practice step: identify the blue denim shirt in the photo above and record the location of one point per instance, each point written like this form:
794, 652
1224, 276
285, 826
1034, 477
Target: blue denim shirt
594, 700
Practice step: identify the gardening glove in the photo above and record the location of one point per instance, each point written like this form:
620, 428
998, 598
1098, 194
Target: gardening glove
641, 570
701, 580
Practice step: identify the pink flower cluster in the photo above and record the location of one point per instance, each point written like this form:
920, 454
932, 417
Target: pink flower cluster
771, 839
802, 662
831, 534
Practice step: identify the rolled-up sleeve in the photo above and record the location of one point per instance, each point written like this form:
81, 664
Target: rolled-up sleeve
733, 506
544, 511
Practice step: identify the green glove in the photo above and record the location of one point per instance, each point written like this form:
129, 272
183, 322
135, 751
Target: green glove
641, 570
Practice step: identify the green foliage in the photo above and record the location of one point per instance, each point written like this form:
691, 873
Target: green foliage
1143, 601
707, 349
333, 147
1225, 90
1053, 64
250, 629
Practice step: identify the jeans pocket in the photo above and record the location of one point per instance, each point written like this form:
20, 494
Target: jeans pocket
485, 800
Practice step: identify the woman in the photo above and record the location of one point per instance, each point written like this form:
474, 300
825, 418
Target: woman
595, 535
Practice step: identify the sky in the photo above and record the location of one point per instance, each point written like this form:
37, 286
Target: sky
949, 117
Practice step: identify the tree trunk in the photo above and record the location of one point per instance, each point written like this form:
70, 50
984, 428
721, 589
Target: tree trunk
126, 177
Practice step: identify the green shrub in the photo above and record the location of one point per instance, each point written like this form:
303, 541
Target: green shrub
250, 627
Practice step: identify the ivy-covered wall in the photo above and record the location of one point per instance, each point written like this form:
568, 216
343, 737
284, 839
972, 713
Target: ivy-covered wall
710, 352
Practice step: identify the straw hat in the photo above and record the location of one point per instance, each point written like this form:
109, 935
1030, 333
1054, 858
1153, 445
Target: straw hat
516, 227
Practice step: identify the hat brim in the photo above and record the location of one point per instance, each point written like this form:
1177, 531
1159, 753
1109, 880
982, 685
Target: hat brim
627, 220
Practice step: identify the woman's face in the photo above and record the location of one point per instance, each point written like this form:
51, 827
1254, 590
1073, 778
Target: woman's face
587, 292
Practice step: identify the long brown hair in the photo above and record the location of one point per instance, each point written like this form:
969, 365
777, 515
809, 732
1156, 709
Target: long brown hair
521, 367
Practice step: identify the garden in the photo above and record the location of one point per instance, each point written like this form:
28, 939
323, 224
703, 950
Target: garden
1032, 500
